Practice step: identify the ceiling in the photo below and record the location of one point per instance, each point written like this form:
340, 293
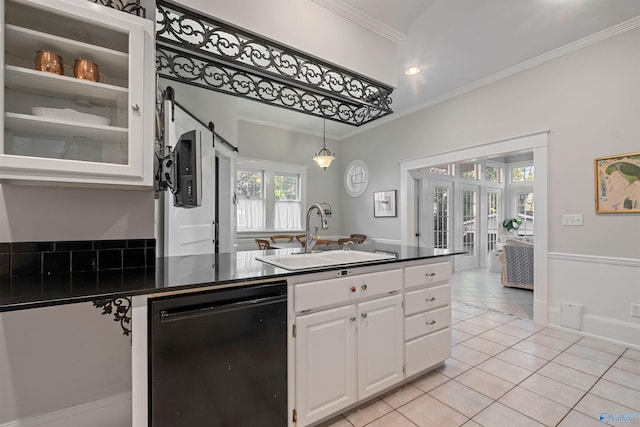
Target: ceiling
459, 45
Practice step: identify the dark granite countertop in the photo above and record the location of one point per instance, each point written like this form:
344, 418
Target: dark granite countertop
174, 273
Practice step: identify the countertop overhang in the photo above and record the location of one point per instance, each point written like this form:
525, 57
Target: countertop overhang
178, 273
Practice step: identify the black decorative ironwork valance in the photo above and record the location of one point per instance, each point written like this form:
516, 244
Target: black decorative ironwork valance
199, 50
132, 7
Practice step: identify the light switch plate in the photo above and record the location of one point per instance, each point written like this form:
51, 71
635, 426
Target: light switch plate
572, 219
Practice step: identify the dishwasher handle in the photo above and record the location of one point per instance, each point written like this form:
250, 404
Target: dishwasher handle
190, 312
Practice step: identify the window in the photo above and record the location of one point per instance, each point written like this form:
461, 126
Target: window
493, 174
470, 170
270, 195
251, 203
442, 169
356, 178
522, 173
286, 193
524, 212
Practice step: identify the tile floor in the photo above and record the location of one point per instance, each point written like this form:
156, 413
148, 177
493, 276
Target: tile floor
482, 288
507, 371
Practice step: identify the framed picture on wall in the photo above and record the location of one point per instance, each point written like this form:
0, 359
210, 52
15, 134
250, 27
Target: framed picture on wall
384, 204
617, 183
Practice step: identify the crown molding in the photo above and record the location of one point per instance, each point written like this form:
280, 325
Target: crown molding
362, 19
538, 60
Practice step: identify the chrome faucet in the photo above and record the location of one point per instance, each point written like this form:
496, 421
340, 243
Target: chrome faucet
309, 241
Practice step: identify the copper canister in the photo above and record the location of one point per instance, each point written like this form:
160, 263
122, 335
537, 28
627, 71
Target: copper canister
49, 62
86, 70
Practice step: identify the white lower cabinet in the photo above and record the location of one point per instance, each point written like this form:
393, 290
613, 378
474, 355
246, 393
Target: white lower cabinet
427, 327
346, 353
325, 363
380, 358
359, 335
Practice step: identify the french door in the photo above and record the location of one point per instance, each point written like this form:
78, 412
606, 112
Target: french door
469, 224
494, 216
437, 214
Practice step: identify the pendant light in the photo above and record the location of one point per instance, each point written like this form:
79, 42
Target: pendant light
324, 157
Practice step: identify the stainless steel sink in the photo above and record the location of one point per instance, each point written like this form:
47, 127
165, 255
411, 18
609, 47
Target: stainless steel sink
321, 259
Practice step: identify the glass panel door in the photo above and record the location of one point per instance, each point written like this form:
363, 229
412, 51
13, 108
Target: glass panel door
494, 217
470, 229
436, 214
441, 199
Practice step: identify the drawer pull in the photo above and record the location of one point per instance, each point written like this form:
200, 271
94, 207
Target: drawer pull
353, 289
352, 318
431, 322
364, 315
430, 274
430, 299
364, 287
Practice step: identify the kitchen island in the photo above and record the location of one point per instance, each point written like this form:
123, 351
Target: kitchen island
387, 281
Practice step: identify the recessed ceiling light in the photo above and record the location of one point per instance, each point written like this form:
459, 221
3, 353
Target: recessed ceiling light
412, 71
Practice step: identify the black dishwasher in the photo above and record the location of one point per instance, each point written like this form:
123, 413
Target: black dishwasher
219, 358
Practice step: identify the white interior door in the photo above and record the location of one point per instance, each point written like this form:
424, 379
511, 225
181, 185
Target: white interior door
190, 231
225, 180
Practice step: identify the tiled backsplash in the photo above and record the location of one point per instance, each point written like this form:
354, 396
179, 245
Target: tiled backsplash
49, 258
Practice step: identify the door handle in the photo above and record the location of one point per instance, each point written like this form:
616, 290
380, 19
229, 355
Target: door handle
364, 315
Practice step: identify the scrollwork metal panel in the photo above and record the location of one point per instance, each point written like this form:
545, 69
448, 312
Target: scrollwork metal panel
120, 308
198, 50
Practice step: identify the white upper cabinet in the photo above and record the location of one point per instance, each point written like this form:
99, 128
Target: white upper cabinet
61, 128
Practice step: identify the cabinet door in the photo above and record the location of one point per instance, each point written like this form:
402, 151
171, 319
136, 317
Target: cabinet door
325, 363
72, 126
380, 344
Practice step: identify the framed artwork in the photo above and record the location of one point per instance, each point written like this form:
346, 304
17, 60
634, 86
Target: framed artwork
384, 204
617, 183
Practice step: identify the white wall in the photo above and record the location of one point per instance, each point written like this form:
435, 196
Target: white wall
588, 99
57, 357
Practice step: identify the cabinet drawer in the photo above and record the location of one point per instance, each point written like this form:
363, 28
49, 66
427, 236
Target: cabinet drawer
425, 323
425, 352
429, 273
427, 299
323, 293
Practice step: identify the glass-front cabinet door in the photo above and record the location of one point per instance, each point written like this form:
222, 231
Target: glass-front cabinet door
78, 94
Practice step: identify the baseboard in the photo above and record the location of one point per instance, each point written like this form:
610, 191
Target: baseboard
113, 411
614, 331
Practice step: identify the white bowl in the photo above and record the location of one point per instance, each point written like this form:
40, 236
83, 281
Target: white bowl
71, 115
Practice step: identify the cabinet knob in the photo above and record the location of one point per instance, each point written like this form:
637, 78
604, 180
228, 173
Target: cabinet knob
352, 318
430, 274
364, 287
135, 107
364, 315
353, 289
430, 299
431, 322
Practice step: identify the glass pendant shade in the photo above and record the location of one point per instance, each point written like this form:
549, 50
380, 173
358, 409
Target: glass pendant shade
324, 157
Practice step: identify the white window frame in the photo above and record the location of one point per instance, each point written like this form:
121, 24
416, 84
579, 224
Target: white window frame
519, 187
270, 169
